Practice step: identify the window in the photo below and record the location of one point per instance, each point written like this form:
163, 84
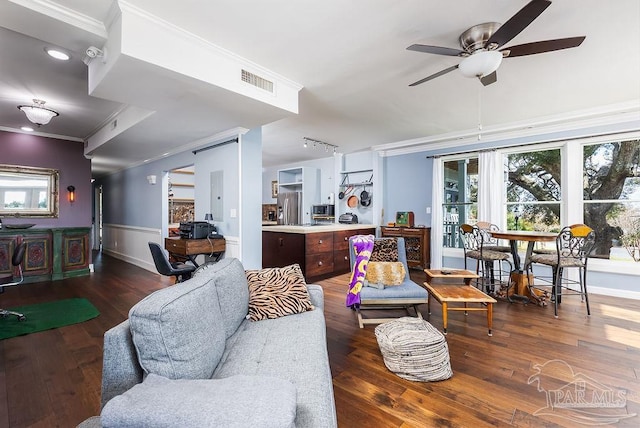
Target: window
460, 203
14, 199
611, 196
533, 190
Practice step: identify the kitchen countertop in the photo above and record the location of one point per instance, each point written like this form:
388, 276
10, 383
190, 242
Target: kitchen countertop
333, 227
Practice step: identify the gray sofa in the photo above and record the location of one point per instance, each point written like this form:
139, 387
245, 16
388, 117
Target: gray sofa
187, 356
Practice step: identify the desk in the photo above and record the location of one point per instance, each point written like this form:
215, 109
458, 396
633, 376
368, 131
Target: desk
518, 277
449, 292
190, 248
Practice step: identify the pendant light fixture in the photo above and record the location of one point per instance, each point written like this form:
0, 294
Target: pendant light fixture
38, 113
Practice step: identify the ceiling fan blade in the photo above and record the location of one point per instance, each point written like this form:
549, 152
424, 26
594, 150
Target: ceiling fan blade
542, 46
517, 23
433, 76
438, 50
489, 79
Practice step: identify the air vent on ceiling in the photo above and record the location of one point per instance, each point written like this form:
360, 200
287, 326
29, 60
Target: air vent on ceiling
257, 81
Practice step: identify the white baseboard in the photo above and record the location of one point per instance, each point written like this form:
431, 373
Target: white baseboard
614, 292
130, 244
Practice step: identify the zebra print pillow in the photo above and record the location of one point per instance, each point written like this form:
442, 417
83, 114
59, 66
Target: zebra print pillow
276, 292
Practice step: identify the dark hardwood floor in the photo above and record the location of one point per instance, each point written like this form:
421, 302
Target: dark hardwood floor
52, 378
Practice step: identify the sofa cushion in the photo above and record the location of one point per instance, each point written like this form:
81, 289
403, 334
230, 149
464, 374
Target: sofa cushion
292, 348
232, 289
276, 292
238, 401
178, 332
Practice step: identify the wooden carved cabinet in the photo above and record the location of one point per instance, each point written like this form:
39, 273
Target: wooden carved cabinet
417, 243
50, 254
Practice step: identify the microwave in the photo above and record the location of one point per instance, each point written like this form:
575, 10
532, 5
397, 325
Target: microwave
324, 210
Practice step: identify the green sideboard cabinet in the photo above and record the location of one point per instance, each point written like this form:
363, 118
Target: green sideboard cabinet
51, 253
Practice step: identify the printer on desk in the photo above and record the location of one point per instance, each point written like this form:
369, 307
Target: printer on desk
198, 230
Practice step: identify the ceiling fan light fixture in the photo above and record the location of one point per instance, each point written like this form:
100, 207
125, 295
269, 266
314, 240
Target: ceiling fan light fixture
38, 113
480, 64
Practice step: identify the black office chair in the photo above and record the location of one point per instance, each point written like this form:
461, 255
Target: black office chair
7, 280
181, 271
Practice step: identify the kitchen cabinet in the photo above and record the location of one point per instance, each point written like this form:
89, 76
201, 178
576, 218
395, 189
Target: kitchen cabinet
305, 181
319, 254
417, 243
282, 249
50, 254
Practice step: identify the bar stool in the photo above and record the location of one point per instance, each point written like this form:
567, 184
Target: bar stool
473, 239
573, 246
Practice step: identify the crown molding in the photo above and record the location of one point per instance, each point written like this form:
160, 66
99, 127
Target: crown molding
42, 134
65, 14
220, 136
622, 113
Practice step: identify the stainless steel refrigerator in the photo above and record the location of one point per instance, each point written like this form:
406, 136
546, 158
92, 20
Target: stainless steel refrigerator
290, 208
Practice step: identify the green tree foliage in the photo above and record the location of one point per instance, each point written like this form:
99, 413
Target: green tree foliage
536, 176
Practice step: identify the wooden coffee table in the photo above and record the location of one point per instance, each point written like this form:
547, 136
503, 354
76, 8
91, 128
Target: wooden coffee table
454, 287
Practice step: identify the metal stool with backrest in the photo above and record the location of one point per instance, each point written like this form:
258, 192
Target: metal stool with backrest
491, 243
573, 245
8, 280
181, 271
473, 239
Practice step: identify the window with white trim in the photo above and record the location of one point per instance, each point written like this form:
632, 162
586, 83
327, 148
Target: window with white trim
534, 191
460, 203
611, 198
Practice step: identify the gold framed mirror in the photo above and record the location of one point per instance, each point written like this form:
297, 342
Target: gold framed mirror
28, 191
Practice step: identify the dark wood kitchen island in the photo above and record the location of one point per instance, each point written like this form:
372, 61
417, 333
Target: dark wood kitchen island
321, 251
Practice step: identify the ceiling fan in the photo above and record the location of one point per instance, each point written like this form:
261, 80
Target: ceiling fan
480, 45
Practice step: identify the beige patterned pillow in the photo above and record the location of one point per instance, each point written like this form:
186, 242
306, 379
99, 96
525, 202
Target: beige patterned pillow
276, 292
385, 273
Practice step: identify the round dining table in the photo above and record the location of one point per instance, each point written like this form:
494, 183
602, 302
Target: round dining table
519, 278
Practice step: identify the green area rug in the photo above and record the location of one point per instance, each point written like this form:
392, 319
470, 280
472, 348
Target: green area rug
46, 316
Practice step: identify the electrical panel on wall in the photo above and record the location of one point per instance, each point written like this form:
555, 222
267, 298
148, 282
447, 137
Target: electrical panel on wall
217, 193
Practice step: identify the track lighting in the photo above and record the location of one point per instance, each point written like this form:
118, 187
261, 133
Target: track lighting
315, 142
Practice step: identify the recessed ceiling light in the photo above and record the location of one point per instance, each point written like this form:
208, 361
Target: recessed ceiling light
26, 128
54, 53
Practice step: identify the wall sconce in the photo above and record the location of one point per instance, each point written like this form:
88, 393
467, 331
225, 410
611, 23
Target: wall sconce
72, 193
151, 179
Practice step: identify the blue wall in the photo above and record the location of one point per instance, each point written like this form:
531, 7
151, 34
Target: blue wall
129, 199
407, 186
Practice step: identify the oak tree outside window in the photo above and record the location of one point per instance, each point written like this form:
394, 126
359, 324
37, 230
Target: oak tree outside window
534, 190
611, 198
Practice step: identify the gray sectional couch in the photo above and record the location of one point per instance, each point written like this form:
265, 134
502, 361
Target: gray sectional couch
187, 356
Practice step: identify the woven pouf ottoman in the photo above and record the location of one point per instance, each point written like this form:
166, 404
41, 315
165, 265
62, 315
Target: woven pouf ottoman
414, 350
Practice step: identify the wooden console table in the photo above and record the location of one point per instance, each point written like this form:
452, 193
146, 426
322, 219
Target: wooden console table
416, 242
190, 248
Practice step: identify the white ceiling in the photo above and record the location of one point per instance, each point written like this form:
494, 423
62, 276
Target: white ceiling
349, 57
